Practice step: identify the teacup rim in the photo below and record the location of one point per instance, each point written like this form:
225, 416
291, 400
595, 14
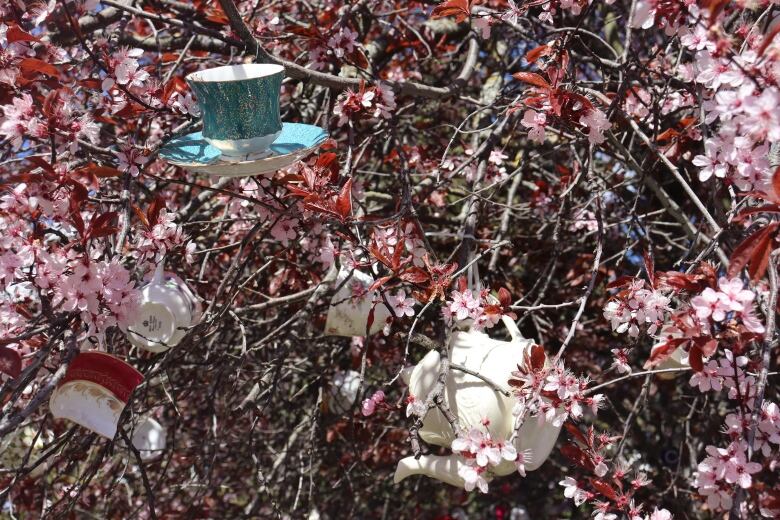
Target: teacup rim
121, 374
272, 69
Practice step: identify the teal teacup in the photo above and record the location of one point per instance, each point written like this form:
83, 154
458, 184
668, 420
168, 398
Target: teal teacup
239, 105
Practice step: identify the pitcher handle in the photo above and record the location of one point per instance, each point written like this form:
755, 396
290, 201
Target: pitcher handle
511, 326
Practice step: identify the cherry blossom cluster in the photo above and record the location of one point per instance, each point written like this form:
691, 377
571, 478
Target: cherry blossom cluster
731, 298
369, 405
481, 309
367, 103
387, 238
611, 490
481, 452
549, 392
721, 470
164, 237
739, 75
635, 307
340, 45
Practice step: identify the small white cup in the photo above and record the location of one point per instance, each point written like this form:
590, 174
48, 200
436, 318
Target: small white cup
344, 390
167, 308
348, 314
149, 439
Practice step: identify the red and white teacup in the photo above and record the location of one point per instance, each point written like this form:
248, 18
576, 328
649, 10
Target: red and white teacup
94, 391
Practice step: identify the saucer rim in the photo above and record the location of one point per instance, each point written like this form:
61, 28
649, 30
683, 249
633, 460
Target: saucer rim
219, 159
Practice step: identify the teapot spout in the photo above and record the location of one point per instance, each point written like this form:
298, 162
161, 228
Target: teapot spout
440, 467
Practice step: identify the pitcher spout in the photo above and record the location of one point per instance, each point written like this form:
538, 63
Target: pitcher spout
440, 467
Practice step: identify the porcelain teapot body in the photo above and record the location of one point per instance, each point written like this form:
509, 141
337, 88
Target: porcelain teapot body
475, 403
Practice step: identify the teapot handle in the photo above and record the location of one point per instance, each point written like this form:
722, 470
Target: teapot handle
511, 326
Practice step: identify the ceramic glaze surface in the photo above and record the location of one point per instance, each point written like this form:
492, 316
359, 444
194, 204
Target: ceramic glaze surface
352, 304
89, 405
240, 101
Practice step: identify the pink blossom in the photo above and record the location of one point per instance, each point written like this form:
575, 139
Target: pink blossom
473, 476
571, 490
463, 305
415, 407
368, 407
708, 378
660, 514
535, 122
343, 42
130, 159
401, 304
481, 24
597, 124
621, 360
284, 230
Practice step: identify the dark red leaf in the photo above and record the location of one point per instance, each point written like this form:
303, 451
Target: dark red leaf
74, 204
15, 34
41, 163
504, 297
531, 78
344, 202
649, 266
538, 357
370, 320
620, 282
776, 174
458, 8
36, 65
577, 456
10, 362
100, 225
534, 54
51, 103
695, 358
100, 171
153, 211
414, 275
575, 432
141, 216
328, 162
174, 85
707, 345
766, 208
767, 39
379, 283
759, 260
744, 252
662, 351
379, 256
604, 488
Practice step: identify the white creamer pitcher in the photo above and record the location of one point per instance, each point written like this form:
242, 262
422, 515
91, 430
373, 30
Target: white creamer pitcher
475, 403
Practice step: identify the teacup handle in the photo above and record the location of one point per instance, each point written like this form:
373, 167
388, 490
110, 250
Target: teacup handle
511, 326
159, 272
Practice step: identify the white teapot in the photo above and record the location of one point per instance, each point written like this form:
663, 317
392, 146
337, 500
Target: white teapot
475, 404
